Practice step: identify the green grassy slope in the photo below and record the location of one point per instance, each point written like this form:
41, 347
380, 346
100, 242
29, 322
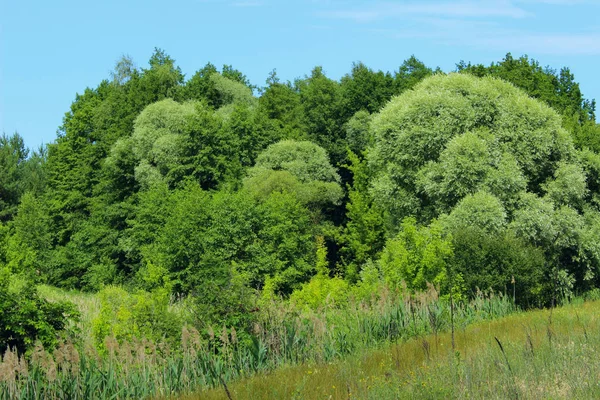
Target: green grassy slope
545, 354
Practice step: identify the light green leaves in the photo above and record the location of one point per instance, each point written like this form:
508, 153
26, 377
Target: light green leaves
302, 168
481, 210
157, 140
417, 256
455, 135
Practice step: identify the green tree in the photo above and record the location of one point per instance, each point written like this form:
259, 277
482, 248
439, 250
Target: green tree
158, 140
27, 318
29, 246
501, 262
363, 236
452, 135
208, 238
557, 89
502, 167
411, 72
281, 103
480, 210
358, 134
417, 256
302, 168
320, 99
216, 88
364, 89
13, 156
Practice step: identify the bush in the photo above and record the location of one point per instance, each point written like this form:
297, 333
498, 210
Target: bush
320, 291
126, 316
27, 318
499, 261
417, 256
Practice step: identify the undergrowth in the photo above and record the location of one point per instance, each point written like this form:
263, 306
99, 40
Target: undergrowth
282, 336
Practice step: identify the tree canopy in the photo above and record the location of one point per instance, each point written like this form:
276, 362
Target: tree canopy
212, 188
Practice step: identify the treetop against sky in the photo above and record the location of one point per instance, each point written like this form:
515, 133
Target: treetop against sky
51, 51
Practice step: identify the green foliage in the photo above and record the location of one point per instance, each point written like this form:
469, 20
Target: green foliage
364, 90
358, 135
506, 182
13, 182
411, 72
490, 157
533, 220
440, 142
558, 90
91, 186
590, 162
320, 97
27, 318
4, 235
27, 249
501, 262
218, 89
586, 135
200, 189
157, 140
211, 153
461, 169
175, 142
481, 210
301, 168
230, 91
203, 238
417, 256
127, 316
569, 185
363, 236
305, 160
322, 291
281, 103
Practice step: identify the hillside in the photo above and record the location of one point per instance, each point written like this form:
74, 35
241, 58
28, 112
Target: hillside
529, 355
184, 233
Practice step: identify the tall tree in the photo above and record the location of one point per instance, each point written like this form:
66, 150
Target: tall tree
281, 102
411, 72
320, 99
364, 89
13, 156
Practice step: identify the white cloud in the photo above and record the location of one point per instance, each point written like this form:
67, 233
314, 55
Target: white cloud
482, 24
247, 4
488, 35
459, 9
563, 44
557, 2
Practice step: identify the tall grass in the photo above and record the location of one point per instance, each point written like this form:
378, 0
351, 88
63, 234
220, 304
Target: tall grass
87, 304
281, 336
538, 358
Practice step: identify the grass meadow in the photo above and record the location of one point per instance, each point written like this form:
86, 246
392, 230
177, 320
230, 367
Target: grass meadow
545, 354
282, 336
395, 347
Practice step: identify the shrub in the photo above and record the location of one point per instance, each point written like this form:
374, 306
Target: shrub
27, 318
501, 262
417, 256
126, 316
320, 291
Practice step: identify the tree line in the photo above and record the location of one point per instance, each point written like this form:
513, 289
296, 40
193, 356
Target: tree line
311, 190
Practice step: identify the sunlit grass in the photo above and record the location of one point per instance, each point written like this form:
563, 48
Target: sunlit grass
282, 336
87, 304
547, 354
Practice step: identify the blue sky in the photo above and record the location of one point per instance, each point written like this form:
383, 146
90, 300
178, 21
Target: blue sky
50, 50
